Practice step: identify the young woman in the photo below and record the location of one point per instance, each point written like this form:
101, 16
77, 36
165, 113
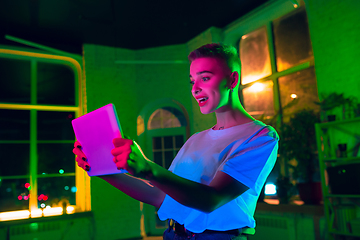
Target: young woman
211, 189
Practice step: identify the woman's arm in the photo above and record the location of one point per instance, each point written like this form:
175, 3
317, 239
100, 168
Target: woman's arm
205, 198
136, 188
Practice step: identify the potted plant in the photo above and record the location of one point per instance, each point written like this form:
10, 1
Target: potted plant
284, 189
298, 148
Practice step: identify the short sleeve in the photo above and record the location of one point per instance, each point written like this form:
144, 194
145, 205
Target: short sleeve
252, 161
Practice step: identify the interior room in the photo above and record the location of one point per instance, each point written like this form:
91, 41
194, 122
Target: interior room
62, 59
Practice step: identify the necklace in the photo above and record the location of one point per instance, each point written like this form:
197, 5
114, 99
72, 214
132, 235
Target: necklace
220, 128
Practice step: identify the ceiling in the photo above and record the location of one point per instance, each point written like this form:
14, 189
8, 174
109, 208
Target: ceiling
136, 24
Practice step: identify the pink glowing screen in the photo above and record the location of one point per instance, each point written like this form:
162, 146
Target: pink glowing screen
95, 131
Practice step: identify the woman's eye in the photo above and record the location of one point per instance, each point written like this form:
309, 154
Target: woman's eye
205, 78
192, 82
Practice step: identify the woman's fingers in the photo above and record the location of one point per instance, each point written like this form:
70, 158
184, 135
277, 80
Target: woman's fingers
82, 162
122, 157
80, 157
119, 142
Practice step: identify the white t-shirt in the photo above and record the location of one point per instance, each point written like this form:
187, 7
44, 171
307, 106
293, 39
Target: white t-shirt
246, 152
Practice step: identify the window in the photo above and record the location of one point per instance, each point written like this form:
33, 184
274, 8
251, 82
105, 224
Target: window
277, 68
300, 85
166, 132
166, 118
166, 148
39, 96
278, 77
255, 58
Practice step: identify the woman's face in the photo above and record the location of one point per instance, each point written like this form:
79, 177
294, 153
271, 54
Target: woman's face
210, 80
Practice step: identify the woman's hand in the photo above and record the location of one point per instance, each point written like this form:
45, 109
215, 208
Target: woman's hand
80, 157
129, 156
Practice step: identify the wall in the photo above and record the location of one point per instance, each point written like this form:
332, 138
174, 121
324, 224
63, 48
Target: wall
131, 80
163, 78
335, 32
116, 215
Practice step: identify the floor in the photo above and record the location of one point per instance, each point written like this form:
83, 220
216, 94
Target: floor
153, 238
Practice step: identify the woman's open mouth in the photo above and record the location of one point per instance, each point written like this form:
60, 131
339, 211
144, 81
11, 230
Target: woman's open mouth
203, 101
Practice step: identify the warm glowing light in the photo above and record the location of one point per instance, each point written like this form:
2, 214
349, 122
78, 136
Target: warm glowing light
45, 211
27, 185
26, 197
20, 197
14, 215
42, 205
293, 95
270, 189
36, 213
257, 87
73, 189
49, 211
140, 125
61, 171
45, 197
251, 78
70, 209
295, 3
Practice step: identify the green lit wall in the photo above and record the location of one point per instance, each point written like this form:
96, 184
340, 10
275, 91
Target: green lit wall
335, 32
116, 215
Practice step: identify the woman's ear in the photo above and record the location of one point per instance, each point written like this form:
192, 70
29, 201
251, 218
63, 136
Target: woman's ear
234, 79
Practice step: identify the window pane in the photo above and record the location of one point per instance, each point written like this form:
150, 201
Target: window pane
14, 124
55, 84
13, 195
258, 99
168, 142
58, 190
55, 125
158, 158
171, 122
254, 55
54, 157
179, 141
303, 85
15, 81
157, 143
140, 125
14, 159
169, 157
292, 40
167, 117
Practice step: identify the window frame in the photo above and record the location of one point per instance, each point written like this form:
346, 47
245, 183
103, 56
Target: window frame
82, 181
259, 18
254, 20
145, 136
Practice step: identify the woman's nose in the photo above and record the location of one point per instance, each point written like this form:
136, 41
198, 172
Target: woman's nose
196, 89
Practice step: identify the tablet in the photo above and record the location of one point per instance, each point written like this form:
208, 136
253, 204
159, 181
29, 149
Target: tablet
95, 131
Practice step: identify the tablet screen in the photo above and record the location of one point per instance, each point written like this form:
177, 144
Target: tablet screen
95, 131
